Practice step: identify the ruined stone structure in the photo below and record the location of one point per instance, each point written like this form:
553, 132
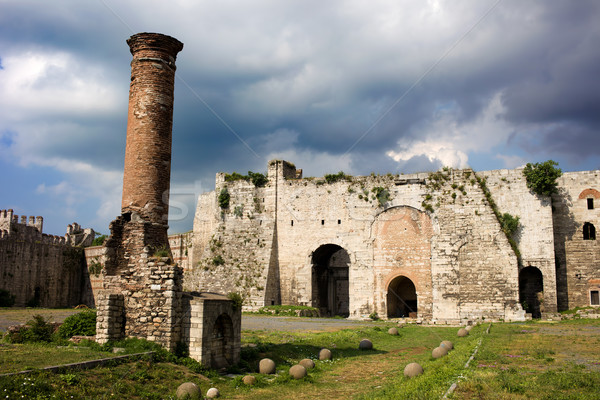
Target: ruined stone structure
40, 269
425, 245
141, 292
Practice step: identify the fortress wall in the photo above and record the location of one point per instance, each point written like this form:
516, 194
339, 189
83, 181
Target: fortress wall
39, 269
535, 237
462, 264
578, 260
474, 269
181, 249
232, 247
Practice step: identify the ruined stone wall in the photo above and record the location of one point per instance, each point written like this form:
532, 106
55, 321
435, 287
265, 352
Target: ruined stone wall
95, 259
39, 269
152, 295
535, 236
578, 260
233, 246
456, 253
181, 249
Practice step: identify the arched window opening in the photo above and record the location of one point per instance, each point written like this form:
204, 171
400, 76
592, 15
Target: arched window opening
531, 290
401, 298
589, 231
330, 285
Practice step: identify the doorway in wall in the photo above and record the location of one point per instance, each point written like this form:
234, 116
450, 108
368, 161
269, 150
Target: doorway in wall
330, 289
401, 298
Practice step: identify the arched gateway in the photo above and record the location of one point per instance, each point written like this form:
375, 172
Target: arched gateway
401, 298
330, 292
531, 288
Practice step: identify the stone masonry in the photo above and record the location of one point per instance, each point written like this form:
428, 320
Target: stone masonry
40, 269
142, 292
431, 248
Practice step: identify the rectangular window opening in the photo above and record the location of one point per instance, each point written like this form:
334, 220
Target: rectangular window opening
292, 222
339, 221
595, 298
322, 222
590, 204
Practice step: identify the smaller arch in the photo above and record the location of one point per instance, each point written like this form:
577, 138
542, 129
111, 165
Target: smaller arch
401, 298
589, 231
221, 342
589, 193
531, 290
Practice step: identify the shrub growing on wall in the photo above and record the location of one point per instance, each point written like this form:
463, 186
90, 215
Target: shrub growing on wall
541, 177
224, 198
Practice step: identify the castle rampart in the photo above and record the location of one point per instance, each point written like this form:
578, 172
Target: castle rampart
41, 269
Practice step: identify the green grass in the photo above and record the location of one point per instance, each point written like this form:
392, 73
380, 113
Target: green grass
536, 360
20, 357
514, 361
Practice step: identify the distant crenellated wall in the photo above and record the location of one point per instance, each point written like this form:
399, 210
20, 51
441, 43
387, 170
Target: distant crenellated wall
40, 269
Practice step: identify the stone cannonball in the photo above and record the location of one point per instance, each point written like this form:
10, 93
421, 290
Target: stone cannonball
212, 393
439, 352
365, 344
393, 331
188, 390
447, 345
462, 332
325, 354
413, 369
266, 366
249, 380
468, 328
307, 363
298, 371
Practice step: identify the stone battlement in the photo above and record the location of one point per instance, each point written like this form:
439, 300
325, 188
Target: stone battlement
8, 219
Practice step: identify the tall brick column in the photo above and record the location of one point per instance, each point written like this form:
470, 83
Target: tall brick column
150, 120
142, 287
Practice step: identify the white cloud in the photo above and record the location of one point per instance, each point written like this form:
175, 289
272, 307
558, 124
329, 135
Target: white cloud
38, 84
445, 139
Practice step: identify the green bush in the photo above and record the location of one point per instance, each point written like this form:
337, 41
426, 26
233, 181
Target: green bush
509, 224
257, 179
237, 299
541, 177
224, 198
332, 178
99, 241
83, 323
36, 330
6, 299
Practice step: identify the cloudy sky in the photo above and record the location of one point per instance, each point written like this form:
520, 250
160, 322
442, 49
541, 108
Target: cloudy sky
378, 86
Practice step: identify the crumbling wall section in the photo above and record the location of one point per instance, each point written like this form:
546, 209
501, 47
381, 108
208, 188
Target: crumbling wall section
233, 245
535, 235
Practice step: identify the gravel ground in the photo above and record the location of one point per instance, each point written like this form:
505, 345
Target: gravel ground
13, 316
270, 323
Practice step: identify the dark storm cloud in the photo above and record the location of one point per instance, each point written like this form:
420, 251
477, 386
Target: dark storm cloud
364, 87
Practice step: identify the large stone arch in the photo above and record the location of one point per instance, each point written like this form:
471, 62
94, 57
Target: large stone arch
330, 272
531, 288
402, 247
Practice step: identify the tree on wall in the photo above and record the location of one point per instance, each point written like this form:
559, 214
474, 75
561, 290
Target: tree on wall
541, 177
